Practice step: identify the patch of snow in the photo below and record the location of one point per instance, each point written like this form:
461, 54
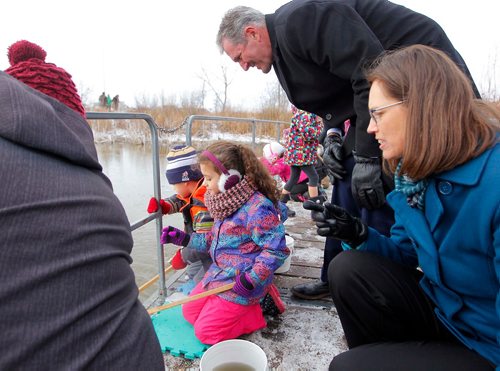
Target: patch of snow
301, 339
308, 255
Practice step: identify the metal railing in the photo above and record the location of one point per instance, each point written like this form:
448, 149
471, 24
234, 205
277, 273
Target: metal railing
155, 152
254, 122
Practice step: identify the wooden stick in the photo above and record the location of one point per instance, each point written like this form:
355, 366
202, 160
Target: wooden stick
154, 279
217, 290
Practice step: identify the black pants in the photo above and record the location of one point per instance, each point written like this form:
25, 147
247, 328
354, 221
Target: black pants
295, 171
389, 322
380, 219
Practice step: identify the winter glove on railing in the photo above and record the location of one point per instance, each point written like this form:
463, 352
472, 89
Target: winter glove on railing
175, 236
334, 221
177, 261
333, 155
367, 188
153, 206
243, 286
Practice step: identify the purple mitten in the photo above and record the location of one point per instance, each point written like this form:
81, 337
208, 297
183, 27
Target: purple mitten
243, 286
175, 236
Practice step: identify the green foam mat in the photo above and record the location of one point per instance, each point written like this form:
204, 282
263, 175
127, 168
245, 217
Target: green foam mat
176, 335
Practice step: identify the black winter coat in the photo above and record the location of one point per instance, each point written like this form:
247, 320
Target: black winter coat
320, 49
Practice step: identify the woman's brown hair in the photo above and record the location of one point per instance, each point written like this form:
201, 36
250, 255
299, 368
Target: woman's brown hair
445, 126
242, 158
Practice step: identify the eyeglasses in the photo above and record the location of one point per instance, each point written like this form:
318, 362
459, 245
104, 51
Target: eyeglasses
375, 110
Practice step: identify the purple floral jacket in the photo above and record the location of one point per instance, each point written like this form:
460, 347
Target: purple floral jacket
251, 240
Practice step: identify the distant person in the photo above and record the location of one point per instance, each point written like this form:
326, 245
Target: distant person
301, 146
68, 295
189, 199
102, 99
109, 101
318, 49
247, 244
428, 296
116, 102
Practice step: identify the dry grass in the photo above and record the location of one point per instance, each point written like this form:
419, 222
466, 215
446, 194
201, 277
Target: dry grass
171, 118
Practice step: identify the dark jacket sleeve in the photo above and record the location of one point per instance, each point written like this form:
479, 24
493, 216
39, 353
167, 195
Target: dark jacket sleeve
343, 45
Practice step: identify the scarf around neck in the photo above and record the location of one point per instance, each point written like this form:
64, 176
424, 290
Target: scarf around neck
414, 191
222, 205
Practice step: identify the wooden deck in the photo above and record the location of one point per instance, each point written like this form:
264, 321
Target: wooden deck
308, 334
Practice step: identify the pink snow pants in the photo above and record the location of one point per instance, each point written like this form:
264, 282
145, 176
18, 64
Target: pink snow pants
215, 319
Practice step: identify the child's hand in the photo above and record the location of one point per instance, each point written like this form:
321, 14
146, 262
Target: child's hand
153, 206
243, 286
177, 261
175, 236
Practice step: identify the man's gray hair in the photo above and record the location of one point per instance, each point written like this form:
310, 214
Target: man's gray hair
234, 22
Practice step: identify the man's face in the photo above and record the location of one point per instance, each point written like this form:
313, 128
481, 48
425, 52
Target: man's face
255, 52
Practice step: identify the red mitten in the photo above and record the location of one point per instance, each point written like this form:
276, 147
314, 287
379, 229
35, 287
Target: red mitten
165, 207
177, 261
153, 205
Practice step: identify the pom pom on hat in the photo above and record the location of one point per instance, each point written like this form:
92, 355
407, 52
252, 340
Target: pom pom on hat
272, 151
181, 165
28, 65
24, 50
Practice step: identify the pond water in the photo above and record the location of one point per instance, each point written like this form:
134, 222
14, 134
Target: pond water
130, 169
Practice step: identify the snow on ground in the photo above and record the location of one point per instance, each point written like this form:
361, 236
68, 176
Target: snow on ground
303, 338
309, 255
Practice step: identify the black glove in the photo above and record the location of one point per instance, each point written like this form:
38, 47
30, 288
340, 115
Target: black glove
333, 156
366, 183
334, 221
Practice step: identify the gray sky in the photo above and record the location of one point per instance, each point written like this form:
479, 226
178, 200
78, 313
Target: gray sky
150, 48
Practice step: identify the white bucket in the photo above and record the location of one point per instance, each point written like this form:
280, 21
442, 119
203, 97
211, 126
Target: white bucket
290, 242
234, 351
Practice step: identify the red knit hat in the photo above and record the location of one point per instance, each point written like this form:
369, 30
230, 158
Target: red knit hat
27, 64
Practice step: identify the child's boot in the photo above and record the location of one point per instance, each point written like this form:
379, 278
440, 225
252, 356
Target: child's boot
272, 303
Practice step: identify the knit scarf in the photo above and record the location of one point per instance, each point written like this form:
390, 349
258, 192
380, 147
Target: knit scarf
414, 191
222, 205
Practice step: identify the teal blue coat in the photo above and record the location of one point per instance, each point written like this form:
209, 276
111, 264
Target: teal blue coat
456, 243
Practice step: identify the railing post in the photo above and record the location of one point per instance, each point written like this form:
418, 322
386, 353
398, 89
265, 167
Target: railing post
278, 132
189, 126
156, 184
254, 132
155, 148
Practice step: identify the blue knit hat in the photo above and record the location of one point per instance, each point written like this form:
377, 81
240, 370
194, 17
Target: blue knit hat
180, 165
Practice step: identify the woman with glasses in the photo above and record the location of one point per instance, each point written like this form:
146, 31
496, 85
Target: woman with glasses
428, 296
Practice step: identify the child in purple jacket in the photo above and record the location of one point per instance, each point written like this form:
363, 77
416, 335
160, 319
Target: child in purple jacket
246, 243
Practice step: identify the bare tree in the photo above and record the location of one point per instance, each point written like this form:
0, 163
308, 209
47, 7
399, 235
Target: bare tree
218, 85
274, 99
84, 93
490, 88
144, 101
197, 98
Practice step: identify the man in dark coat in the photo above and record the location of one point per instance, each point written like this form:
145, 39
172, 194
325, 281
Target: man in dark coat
68, 297
318, 49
